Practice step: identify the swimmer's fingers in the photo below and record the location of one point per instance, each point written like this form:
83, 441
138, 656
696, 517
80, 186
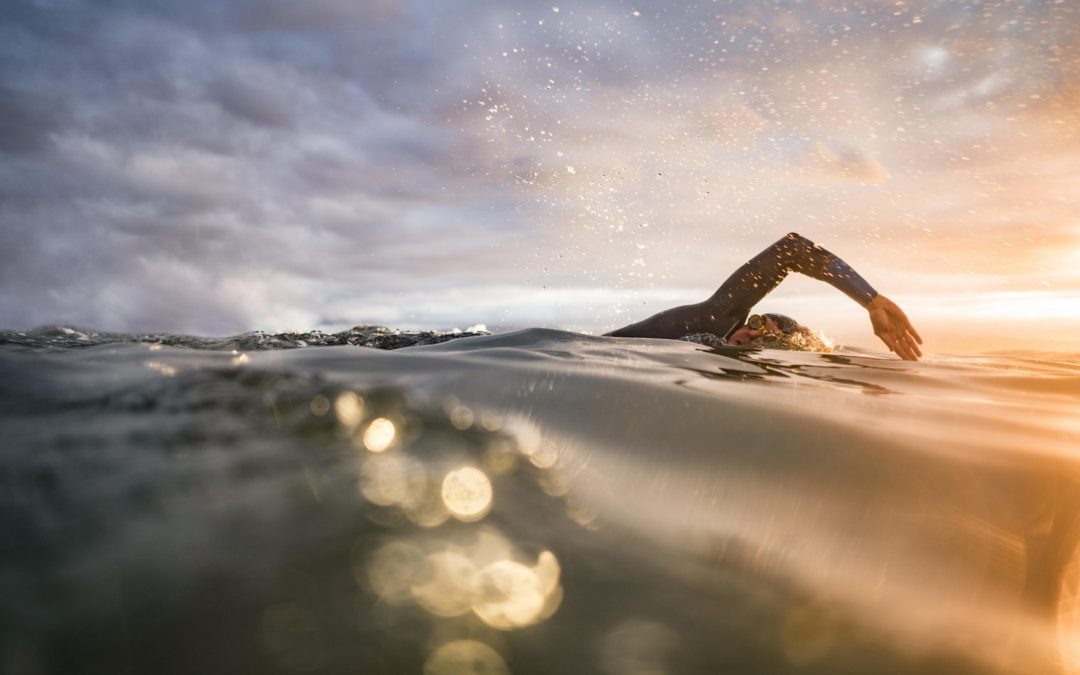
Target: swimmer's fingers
909, 339
884, 334
911, 350
889, 341
914, 333
904, 350
915, 341
907, 324
892, 326
901, 343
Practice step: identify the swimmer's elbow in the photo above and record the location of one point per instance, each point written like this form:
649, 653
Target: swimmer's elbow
794, 239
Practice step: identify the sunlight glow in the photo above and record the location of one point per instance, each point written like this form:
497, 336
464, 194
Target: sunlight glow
451, 577
349, 409
511, 595
465, 657
1068, 615
467, 493
379, 435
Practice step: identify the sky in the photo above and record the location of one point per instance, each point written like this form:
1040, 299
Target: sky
215, 167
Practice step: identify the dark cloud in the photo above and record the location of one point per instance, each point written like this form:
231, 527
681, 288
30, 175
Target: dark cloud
263, 105
26, 121
319, 15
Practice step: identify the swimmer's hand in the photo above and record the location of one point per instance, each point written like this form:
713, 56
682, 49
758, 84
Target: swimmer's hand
894, 329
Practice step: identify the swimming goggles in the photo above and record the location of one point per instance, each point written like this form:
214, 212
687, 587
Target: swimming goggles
760, 322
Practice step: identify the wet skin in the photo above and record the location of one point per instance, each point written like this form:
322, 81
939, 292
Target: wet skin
893, 328
744, 335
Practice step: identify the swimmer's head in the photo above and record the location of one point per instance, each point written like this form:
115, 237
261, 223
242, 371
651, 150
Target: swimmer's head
759, 326
776, 331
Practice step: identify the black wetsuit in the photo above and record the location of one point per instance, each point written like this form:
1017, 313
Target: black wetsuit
729, 306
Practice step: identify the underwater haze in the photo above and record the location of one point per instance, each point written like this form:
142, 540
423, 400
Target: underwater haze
532, 502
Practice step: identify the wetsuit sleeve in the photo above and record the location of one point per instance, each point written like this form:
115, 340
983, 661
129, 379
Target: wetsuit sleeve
762, 273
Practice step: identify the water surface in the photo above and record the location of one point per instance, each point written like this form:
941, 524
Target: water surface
531, 502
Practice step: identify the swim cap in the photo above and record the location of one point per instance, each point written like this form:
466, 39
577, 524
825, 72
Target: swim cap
785, 322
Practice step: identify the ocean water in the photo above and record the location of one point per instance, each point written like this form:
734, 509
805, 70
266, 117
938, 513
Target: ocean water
532, 502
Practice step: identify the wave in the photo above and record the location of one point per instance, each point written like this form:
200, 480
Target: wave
535, 501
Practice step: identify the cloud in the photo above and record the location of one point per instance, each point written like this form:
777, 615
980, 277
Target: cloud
218, 167
835, 160
259, 104
27, 121
318, 15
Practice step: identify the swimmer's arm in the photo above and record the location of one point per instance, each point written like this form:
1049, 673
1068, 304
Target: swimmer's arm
754, 279
795, 253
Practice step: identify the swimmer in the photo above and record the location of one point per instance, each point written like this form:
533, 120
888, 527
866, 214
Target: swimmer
726, 313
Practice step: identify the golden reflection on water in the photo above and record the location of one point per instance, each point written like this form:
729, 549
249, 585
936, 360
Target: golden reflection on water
582, 515
465, 657
349, 409
467, 493
490, 420
473, 571
500, 457
379, 435
555, 483
1068, 615
163, 368
393, 571
531, 443
392, 480
402, 481
510, 595
429, 510
546, 456
525, 435
447, 591
449, 578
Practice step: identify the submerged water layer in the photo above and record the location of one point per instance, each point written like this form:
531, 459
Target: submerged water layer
533, 502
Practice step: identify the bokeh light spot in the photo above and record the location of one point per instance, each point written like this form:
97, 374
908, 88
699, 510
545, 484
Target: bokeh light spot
490, 420
447, 589
379, 435
500, 457
349, 409
394, 570
465, 657
389, 480
467, 493
462, 417
508, 595
320, 405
